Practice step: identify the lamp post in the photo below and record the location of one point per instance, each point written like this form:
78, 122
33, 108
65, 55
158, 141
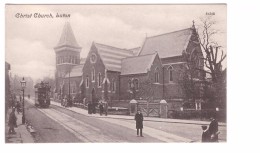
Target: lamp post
23, 85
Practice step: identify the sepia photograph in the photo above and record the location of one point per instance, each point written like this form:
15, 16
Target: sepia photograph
136, 73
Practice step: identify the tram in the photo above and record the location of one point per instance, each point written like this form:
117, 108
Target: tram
42, 94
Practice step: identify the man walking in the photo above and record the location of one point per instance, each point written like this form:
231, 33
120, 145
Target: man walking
139, 122
213, 130
12, 122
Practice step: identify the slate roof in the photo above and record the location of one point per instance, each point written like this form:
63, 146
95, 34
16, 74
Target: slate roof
167, 45
112, 56
137, 64
67, 37
76, 71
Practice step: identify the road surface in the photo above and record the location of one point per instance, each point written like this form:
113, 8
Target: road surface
57, 124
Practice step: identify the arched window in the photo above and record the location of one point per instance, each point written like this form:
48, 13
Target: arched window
136, 84
73, 87
87, 82
93, 74
156, 75
113, 85
99, 79
170, 69
129, 84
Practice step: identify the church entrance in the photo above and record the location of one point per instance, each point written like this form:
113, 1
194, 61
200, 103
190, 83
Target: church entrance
93, 96
106, 91
93, 103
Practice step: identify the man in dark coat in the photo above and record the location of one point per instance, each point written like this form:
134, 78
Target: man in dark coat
12, 122
106, 108
139, 122
213, 130
101, 108
205, 134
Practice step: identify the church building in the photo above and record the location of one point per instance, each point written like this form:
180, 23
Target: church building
150, 72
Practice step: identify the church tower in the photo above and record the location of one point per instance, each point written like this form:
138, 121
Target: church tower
67, 55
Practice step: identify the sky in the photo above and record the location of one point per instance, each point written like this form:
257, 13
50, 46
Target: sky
30, 41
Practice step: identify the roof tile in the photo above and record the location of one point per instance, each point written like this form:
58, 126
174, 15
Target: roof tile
167, 45
138, 64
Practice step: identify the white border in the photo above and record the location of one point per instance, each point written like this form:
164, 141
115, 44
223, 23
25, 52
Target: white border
243, 87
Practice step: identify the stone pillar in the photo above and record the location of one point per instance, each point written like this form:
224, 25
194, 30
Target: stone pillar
163, 109
133, 107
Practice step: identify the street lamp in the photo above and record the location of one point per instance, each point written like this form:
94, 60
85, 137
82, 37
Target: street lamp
23, 85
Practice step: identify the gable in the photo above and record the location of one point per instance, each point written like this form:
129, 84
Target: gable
167, 45
93, 50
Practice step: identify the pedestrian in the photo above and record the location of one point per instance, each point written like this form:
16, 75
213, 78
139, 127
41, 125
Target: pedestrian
12, 122
213, 130
18, 107
65, 102
106, 108
205, 134
101, 108
139, 122
93, 106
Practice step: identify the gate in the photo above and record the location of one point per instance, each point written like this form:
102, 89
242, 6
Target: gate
149, 109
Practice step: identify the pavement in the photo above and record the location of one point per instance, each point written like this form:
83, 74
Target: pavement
126, 117
22, 134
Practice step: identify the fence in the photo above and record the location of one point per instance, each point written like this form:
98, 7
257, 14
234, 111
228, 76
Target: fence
198, 114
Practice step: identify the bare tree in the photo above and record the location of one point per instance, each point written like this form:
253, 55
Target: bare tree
213, 55
213, 58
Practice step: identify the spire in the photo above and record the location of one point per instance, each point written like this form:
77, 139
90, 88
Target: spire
67, 37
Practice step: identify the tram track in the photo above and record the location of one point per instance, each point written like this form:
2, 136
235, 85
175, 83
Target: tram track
82, 130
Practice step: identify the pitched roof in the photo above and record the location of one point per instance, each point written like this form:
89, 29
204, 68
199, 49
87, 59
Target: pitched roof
111, 56
167, 45
138, 64
76, 71
67, 37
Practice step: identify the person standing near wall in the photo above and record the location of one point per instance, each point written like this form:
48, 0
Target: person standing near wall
139, 122
213, 130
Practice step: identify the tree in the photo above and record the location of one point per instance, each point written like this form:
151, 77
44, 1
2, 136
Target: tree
213, 57
146, 90
190, 77
51, 83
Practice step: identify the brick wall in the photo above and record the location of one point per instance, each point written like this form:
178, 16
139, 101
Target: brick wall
113, 76
148, 88
87, 71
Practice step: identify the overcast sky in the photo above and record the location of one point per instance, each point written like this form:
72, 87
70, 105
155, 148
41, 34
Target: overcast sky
30, 41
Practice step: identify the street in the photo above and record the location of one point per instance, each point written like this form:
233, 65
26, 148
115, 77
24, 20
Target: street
57, 124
